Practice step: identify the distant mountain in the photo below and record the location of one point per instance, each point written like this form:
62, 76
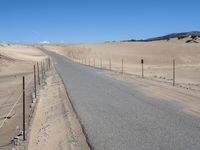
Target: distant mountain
194, 35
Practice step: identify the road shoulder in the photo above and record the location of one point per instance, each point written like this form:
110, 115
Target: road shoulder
55, 125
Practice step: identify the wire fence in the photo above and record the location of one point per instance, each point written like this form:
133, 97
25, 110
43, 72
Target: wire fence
171, 73
32, 82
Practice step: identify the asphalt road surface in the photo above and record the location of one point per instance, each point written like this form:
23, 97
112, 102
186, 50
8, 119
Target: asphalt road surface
118, 116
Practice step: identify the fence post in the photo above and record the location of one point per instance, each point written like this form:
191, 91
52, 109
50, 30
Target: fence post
38, 73
174, 72
142, 62
42, 72
23, 80
35, 82
101, 64
49, 63
44, 68
110, 64
122, 66
45, 65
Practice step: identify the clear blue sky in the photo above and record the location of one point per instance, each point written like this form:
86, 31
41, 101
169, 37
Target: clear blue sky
75, 21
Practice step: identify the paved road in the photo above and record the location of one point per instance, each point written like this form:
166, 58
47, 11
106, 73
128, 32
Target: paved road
118, 116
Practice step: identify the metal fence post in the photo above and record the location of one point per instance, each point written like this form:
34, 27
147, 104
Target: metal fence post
101, 64
174, 72
42, 72
142, 62
110, 64
49, 62
44, 69
122, 66
35, 82
38, 73
23, 80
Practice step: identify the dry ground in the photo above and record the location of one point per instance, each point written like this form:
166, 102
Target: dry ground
15, 62
18, 60
55, 125
157, 55
158, 58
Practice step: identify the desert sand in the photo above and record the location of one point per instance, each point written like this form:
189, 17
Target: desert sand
17, 61
157, 55
55, 125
